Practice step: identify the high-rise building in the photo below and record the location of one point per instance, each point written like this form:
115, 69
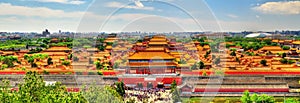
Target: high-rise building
46, 32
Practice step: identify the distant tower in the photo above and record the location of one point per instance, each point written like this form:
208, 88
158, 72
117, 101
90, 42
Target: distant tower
46, 32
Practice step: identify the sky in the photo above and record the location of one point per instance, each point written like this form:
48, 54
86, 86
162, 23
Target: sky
148, 15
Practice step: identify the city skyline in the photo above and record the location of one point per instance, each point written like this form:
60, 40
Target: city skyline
159, 16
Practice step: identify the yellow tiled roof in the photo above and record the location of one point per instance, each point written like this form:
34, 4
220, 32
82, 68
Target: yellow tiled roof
151, 55
272, 48
296, 42
158, 43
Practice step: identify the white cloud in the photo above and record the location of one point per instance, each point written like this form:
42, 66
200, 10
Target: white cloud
282, 8
39, 12
120, 5
75, 2
232, 16
22, 18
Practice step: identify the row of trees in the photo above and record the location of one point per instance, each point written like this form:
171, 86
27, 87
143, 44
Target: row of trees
46, 43
35, 90
249, 43
37, 57
255, 98
8, 61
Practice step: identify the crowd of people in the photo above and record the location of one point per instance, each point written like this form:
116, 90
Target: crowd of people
149, 95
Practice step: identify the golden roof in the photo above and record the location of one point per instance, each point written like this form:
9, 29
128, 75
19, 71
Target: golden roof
191, 61
296, 42
276, 41
152, 64
151, 55
111, 38
158, 40
108, 47
155, 48
161, 43
58, 48
282, 51
288, 40
177, 53
283, 65
206, 46
183, 65
55, 53
106, 41
272, 48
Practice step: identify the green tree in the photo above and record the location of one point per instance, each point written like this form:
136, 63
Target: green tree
105, 68
204, 73
45, 72
283, 55
217, 60
182, 61
101, 48
34, 65
246, 98
106, 94
207, 54
116, 65
285, 47
263, 62
173, 85
98, 65
291, 100
66, 63
70, 56
175, 92
34, 90
290, 61
131, 101
176, 96
99, 73
265, 99
9, 60
49, 61
237, 60
254, 98
120, 88
233, 53
219, 72
4, 66
284, 61
194, 66
201, 65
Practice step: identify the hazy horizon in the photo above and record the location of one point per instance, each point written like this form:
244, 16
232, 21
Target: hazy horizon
147, 16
